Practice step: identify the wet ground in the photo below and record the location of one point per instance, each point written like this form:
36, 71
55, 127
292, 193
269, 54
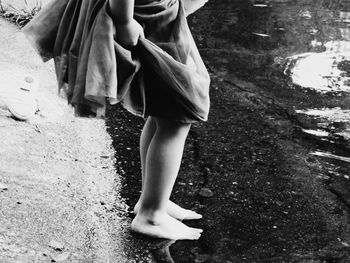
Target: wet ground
270, 169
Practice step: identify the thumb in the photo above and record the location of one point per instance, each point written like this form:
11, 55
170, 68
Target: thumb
142, 34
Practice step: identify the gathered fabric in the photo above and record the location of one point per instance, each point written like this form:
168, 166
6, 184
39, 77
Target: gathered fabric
163, 76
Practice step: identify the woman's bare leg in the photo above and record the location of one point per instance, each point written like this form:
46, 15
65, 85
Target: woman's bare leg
147, 134
162, 164
173, 209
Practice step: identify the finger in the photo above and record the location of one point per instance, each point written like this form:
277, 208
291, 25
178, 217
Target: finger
131, 42
134, 43
142, 34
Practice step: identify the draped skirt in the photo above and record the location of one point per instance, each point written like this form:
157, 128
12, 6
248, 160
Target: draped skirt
163, 76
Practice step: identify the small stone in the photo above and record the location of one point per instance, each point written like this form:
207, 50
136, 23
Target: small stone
3, 187
345, 244
37, 129
279, 203
56, 245
206, 192
61, 257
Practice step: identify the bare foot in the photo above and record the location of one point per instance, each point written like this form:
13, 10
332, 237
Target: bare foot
176, 211
164, 226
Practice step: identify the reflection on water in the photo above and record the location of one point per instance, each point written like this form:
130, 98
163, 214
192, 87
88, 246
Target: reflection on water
332, 156
335, 114
333, 121
307, 41
161, 252
299, 51
328, 71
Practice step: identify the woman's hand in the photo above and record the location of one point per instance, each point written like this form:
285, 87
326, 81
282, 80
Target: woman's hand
129, 33
128, 30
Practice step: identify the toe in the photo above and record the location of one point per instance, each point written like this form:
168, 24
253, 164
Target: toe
197, 230
190, 215
196, 236
196, 215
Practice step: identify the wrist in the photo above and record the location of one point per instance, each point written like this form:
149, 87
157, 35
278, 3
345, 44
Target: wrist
122, 11
122, 22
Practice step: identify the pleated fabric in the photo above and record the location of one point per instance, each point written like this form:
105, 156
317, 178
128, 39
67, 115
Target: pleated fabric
163, 76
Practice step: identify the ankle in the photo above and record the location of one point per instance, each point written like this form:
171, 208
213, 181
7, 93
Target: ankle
152, 216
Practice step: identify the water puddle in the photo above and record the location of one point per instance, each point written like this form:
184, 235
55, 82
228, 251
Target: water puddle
333, 132
324, 72
331, 122
326, 67
334, 114
331, 156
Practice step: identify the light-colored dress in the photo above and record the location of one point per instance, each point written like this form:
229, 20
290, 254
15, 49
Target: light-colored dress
162, 76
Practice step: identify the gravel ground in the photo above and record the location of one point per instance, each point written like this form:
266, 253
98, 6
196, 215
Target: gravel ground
20, 4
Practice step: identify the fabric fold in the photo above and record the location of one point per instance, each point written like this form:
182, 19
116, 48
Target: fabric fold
162, 76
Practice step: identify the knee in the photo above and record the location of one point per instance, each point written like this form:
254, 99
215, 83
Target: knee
172, 127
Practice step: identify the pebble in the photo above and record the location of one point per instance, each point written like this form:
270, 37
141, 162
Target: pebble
206, 192
345, 244
61, 257
56, 245
3, 187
